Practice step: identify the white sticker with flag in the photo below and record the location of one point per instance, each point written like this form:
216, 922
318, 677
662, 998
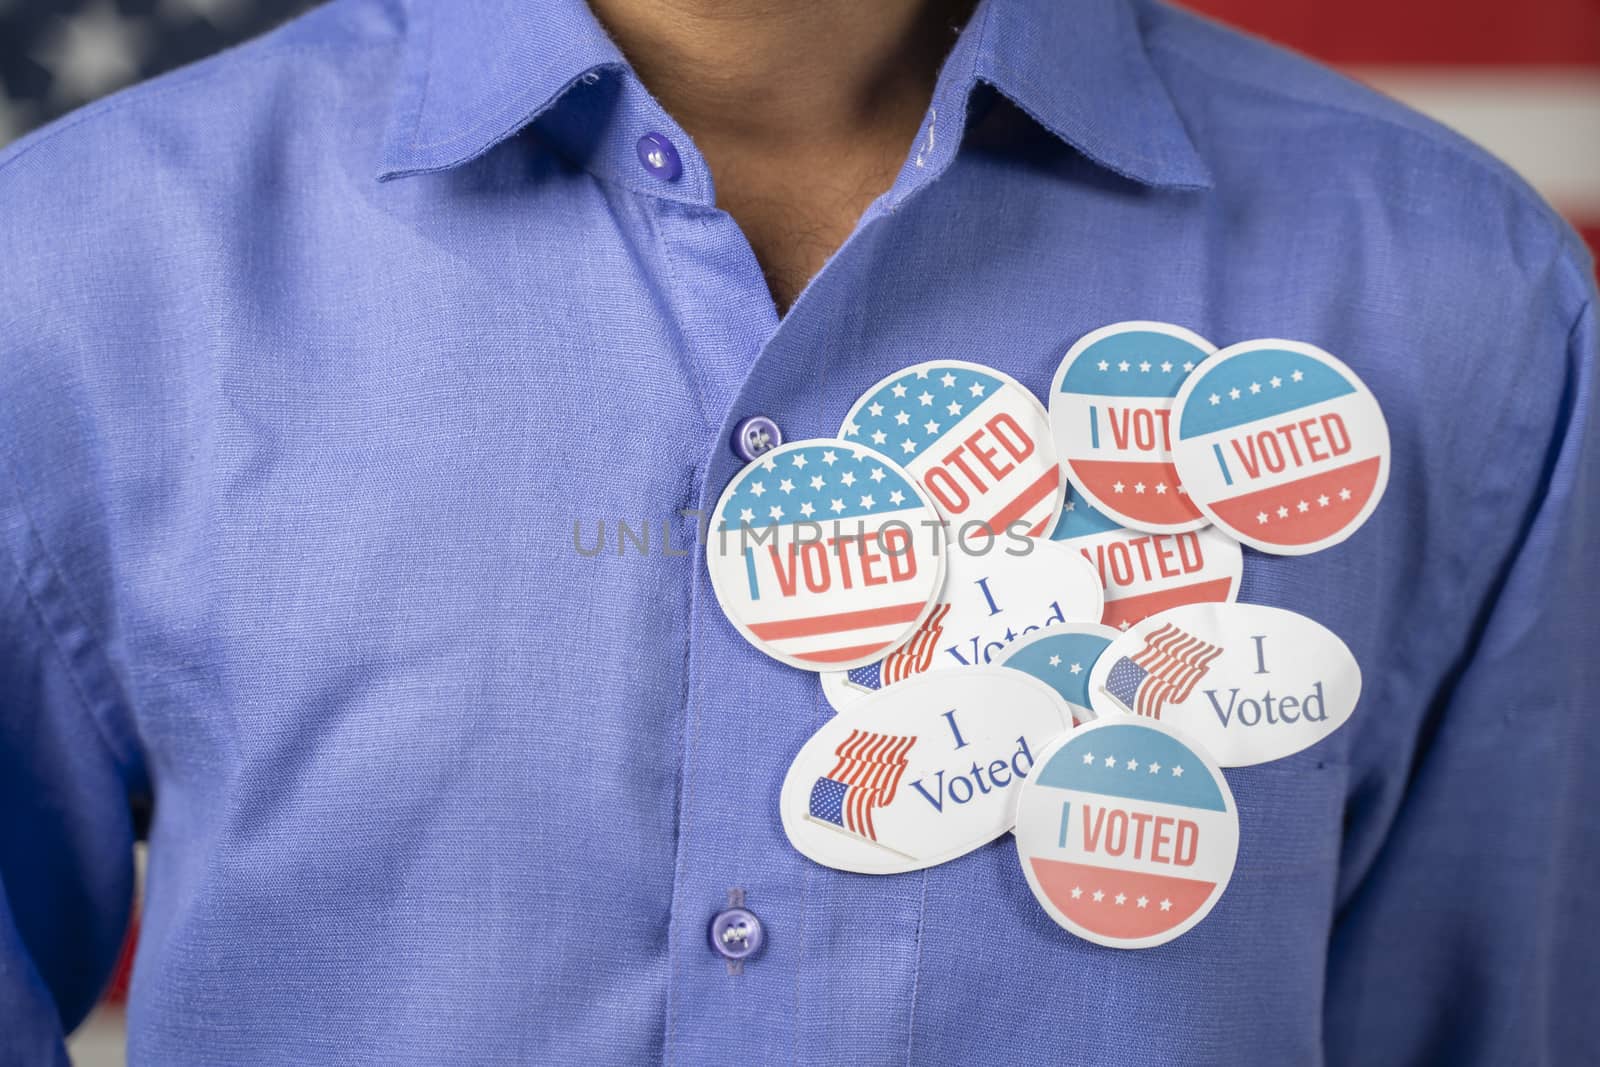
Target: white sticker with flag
824, 554
977, 441
1251, 683
1018, 586
920, 773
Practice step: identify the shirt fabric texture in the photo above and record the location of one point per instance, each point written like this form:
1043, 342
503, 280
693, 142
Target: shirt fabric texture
313, 357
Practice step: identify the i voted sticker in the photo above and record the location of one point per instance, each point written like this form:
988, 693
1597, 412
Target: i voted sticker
1110, 413
1144, 573
990, 599
920, 773
1127, 833
1281, 445
1249, 682
1062, 657
825, 554
976, 440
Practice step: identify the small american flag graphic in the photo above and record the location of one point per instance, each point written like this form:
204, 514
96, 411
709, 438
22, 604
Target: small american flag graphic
1167, 669
866, 777
911, 658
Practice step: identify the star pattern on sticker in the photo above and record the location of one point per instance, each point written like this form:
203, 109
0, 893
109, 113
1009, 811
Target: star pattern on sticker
1130, 764
811, 481
1098, 895
895, 415
1301, 507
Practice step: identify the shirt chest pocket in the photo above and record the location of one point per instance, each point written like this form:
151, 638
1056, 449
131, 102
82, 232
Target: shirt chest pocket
1267, 937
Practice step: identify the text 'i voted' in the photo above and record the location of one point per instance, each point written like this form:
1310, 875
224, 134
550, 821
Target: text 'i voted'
825, 554
1249, 682
1110, 413
1127, 833
919, 773
995, 592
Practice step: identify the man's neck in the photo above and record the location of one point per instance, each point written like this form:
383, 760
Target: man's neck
804, 109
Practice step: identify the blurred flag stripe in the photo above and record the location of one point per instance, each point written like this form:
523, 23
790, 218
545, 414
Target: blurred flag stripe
1543, 121
1446, 33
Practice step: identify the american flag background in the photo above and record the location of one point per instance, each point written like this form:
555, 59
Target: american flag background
1522, 79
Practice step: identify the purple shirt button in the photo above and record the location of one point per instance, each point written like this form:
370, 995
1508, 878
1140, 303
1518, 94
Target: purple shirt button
736, 934
660, 157
755, 436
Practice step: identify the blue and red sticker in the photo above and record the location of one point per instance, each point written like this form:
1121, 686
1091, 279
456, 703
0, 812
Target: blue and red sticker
1063, 657
1110, 413
975, 440
825, 555
1126, 833
1281, 445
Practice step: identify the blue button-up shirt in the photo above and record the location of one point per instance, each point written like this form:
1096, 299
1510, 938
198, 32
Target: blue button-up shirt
326, 364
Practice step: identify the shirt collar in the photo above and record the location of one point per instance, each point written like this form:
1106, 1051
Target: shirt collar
478, 71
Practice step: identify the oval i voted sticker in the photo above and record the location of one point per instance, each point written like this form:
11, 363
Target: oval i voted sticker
1062, 657
1144, 573
1281, 445
977, 442
825, 554
1249, 682
920, 773
1127, 833
990, 599
1110, 408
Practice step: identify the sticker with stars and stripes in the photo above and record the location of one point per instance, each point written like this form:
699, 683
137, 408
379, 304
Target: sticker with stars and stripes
920, 773
1127, 833
995, 592
976, 440
1281, 445
1143, 572
1250, 682
1110, 408
825, 554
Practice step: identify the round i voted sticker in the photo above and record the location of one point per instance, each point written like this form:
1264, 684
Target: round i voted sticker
990, 599
920, 773
825, 554
1249, 682
1110, 409
1126, 833
976, 440
1062, 657
1144, 573
1281, 445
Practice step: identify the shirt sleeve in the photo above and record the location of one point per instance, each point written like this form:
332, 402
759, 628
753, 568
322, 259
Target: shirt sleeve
1473, 937
66, 827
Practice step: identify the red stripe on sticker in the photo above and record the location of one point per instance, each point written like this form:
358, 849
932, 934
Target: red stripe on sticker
1306, 510
818, 625
839, 655
1038, 491
1130, 610
1145, 491
1074, 888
